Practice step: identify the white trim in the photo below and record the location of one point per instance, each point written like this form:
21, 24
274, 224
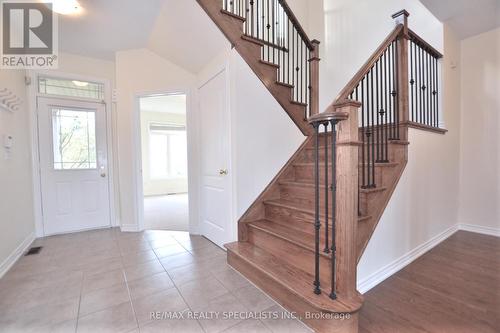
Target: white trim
137, 183
130, 228
385, 272
479, 229
16, 254
35, 165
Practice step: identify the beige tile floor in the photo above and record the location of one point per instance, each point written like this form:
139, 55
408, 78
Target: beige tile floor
109, 281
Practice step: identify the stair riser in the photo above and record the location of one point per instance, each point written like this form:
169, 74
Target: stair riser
291, 301
290, 252
289, 217
295, 220
305, 173
306, 195
393, 153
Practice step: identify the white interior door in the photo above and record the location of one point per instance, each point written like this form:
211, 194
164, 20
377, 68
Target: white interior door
215, 197
73, 165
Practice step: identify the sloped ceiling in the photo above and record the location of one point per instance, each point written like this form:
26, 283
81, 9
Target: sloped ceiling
466, 17
177, 30
184, 34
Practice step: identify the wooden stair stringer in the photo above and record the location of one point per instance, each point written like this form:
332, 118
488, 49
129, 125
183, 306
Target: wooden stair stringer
232, 27
366, 230
256, 211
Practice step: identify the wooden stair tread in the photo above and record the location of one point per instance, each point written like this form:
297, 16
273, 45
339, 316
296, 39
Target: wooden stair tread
226, 12
322, 163
303, 207
262, 42
293, 279
287, 85
393, 142
311, 185
297, 237
268, 63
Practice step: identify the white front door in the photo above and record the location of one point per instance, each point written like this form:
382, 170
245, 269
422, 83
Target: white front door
215, 198
73, 165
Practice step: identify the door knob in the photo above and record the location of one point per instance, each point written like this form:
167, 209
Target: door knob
223, 172
103, 171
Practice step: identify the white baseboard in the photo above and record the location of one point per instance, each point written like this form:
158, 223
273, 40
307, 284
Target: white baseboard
479, 229
398, 264
16, 254
130, 228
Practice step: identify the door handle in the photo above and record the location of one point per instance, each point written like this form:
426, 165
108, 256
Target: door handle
103, 172
223, 172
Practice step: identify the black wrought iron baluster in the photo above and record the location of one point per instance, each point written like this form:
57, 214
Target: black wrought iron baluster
273, 20
317, 222
327, 187
420, 83
377, 109
412, 82
333, 293
257, 23
268, 27
293, 62
434, 92
297, 47
289, 51
389, 92
429, 90
437, 91
396, 87
301, 71
363, 147
308, 81
372, 132
386, 109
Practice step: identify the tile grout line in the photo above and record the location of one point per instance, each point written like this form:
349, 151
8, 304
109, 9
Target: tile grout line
130, 299
177, 287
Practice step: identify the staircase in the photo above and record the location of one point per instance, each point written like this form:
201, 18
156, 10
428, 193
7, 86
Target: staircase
301, 240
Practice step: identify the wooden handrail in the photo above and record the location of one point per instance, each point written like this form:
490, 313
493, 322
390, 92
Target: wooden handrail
296, 24
423, 44
344, 94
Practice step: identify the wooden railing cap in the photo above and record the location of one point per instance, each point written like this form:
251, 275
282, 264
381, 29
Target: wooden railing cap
328, 116
401, 12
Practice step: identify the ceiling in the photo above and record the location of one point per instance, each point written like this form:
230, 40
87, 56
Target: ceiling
178, 30
466, 17
164, 103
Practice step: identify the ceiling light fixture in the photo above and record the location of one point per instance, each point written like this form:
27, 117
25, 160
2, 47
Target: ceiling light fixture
66, 7
80, 83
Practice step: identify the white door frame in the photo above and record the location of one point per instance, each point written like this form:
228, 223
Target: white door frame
137, 147
31, 81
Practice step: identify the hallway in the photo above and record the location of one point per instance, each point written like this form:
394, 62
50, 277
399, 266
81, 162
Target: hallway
167, 212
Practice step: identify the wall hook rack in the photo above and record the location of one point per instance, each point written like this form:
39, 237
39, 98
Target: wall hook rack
9, 101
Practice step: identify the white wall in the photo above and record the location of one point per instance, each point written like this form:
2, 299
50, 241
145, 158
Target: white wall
142, 72
151, 185
16, 199
480, 149
353, 31
264, 137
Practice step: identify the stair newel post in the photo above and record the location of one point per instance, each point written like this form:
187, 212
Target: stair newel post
345, 194
402, 77
326, 118
317, 222
327, 188
314, 78
333, 188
